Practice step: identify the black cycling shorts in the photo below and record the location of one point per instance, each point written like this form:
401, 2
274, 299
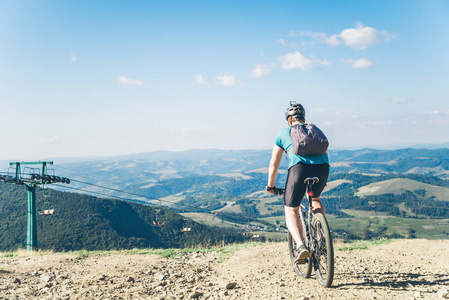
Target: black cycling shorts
295, 187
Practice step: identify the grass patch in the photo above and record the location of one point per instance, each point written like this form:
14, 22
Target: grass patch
8, 255
224, 252
364, 245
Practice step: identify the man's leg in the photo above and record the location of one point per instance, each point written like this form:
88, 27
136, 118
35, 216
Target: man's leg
294, 224
295, 228
318, 206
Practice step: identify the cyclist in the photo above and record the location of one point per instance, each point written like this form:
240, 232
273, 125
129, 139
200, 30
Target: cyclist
299, 168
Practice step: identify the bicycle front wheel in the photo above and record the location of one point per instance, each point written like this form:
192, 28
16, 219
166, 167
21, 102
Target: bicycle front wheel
303, 270
323, 256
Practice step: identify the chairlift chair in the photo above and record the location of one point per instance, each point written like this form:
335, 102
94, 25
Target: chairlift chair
156, 222
248, 233
46, 212
184, 227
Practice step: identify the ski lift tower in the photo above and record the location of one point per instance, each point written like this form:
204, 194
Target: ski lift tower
31, 181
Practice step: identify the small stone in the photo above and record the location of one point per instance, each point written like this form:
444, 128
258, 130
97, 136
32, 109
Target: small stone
195, 295
231, 285
223, 293
130, 279
46, 278
160, 276
102, 277
16, 280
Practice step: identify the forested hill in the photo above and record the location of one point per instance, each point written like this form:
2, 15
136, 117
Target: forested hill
91, 223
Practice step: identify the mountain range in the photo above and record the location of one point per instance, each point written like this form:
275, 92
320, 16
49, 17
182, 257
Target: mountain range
225, 188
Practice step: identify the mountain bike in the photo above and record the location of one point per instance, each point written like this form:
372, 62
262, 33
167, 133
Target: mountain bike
316, 237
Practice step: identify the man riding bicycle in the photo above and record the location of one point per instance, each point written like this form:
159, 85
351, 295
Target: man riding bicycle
299, 168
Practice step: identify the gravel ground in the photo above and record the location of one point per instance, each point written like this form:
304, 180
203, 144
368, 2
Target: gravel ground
408, 269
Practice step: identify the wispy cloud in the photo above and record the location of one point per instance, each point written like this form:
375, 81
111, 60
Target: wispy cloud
367, 124
285, 43
260, 70
295, 60
398, 100
129, 81
333, 40
200, 79
282, 42
324, 62
359, 63
228, 80
359, 37
437, 112
72, 57
50, 140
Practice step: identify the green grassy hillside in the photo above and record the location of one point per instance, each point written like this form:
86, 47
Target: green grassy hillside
400, 185
91, 223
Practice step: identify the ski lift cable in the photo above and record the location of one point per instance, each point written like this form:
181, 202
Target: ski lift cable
80, 174
128, 199
116, 197
153, 198
193, 209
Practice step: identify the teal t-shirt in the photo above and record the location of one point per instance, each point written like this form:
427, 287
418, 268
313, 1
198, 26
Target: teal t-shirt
284, 141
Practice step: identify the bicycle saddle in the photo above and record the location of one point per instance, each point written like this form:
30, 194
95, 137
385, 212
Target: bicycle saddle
311, 180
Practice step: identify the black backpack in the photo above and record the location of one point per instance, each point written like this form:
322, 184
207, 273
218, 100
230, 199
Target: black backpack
308, 140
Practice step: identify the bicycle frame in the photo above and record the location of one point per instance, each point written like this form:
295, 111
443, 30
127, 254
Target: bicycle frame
307, 222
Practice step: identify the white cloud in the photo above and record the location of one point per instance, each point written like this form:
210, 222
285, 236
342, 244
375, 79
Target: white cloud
333, 40
359, 63
358, 38
228, 80
72, 57
260, 70
361, 36
200, 79
295, 60
124, 80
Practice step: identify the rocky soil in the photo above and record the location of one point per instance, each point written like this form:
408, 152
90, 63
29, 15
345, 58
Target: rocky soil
409, 269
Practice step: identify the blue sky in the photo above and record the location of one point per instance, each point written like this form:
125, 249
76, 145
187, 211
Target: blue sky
99, 78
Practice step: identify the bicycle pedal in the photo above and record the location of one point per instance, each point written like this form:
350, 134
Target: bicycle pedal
301, 261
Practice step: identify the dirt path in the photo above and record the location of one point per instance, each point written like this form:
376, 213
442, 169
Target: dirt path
410, 269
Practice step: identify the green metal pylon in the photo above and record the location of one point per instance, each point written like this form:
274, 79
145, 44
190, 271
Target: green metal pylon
31, 242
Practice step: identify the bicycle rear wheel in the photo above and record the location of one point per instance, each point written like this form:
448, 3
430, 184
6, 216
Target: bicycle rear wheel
303, 270
323, 256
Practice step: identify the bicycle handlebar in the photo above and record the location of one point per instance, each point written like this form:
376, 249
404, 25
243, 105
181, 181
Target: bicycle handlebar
277, 191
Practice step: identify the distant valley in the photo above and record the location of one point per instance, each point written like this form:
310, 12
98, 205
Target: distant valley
370, 193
